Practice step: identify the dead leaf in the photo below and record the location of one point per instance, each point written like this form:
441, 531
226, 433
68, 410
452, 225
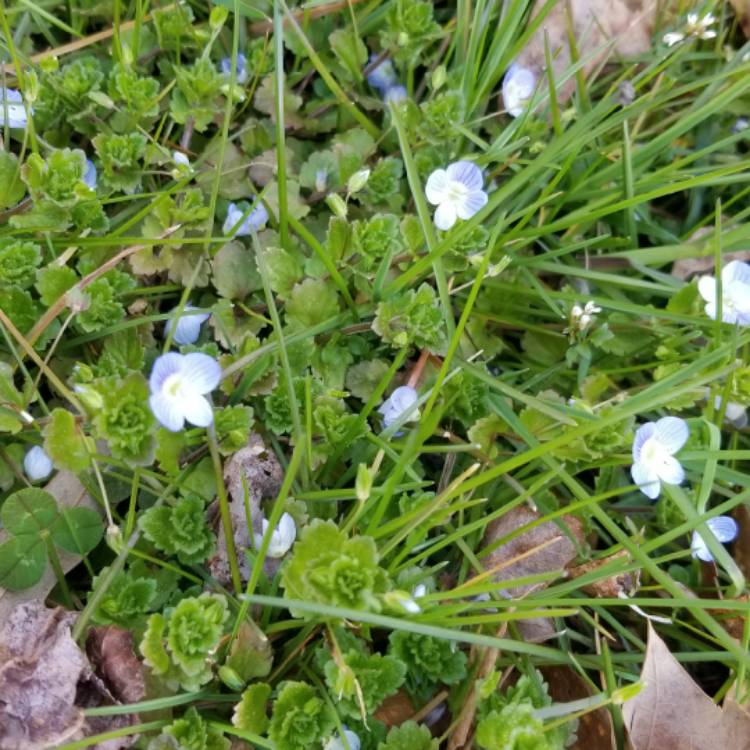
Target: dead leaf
395, 709
612, 586
257, 469
602, 29
595, 729
672, 713
689, 267
110, 651
742, 11
69, 492
741, 546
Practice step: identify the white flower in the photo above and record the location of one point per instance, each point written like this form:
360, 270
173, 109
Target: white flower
582, 317
12, 108
395, 94
400, 600
518, 86
252, 222
723, 528
180, 159
735, 293
242, 73
178, 385
695, 26
653, 454
735, 414
741, 123
282, 537
89, 175
457, 193
420, 590
401, 403
336, 743
188, 326
37, 464
382, 76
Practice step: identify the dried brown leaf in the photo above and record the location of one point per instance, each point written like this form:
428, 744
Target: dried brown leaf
741, 546
256, 469
742, 10
602, 29
672, 713
610, 586
395, 709
66, 488
688, 267
111, 653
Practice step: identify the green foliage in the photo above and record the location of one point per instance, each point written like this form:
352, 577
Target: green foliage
137, 95
300, 718
177, 646
384, 185
65, 443
126, 600
250, 713
512, 728
20, 307
53, 281
59, 179
194, 97
409, 736
411, 318
410, 27
121, 158
11, 186
312, 302
192, 732
441, 116
18, 263
329, 568
429, 661
375, 239
180, 530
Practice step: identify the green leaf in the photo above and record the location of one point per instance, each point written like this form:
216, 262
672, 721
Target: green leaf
23, 560
410, 736
250, 713
284, 270
300, 719
77, 530
235, 273
65, 443
350, 51
18, 262
12, 188
181, 530
28, 511
312, 302
250, 655
53, 281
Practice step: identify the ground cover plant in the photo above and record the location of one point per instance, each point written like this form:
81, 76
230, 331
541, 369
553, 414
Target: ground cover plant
374, 375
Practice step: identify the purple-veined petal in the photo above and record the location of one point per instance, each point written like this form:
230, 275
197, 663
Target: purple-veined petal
699, 548
201, 372
403, 397
445, 215
467, 173
735, 271
89, 176
642, 434
197, 411
518, 86
646, 479
164, 366
436, 188
471, 204
672, 433
167, 411
723, 528
670, 471
188, 326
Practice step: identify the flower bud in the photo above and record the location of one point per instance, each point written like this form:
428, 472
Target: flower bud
231, 679
357, 181
336, 204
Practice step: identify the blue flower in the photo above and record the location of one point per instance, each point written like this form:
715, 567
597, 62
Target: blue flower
89, 176
395, 94
37, 464
518, 86
723, 528
654, 447
179, 384
382, 76
242, 73
400, 405
188, 326
12, 108
335, 742
254, 221
457, 192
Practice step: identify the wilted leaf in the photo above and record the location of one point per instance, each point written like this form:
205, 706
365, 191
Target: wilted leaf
671, 712
110, 650
251, 655
609, 586
742, 11
687, 267
395, 709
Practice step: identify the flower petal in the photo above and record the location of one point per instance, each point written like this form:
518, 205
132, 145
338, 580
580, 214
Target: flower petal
670, 471
445, 216
202, 372
735, 270
707, 288
37, 464
436, 188
471, 204
403, 397
699, 548
188, 325
647, 481
164, 366
467, 173
672, 433
197, 411
167, 411
518, 86
642, 434
723, 528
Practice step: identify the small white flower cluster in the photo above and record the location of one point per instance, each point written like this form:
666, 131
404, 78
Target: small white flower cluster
12, 109
695, 27
457, 192
383, 78
654, 463
400, 405
581, 318
282, 537
735, 293
245, 223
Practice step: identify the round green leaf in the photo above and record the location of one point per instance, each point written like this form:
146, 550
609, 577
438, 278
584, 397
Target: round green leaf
22, 562
77, 530
28, 511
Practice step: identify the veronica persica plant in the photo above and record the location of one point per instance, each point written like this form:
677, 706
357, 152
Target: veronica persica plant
282, 537
735, 293
253, 222
187, 327
518, 86
12, 109
457, 193
723, 528
179, 384
653, 454
400, 403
